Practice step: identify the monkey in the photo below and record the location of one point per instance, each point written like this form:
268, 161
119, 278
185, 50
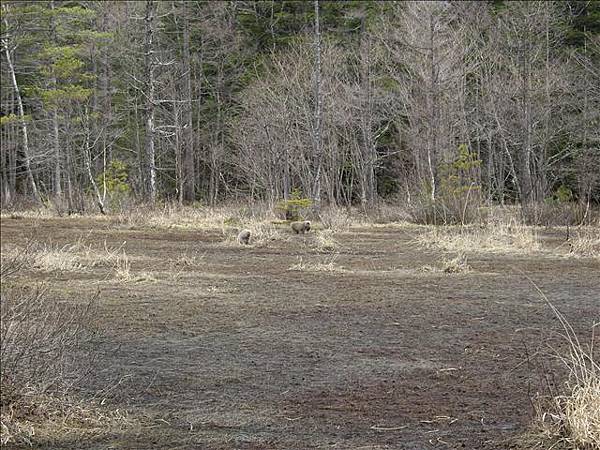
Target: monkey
244, 237
300, 227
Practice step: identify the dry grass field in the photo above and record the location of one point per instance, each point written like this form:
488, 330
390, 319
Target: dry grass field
352, 337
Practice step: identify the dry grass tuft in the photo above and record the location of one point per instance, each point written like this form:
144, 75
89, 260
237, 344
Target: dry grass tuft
262, 234
336, 219
450, 265
582, 413
122, 271
45, 419
122, 268
327, 266
325, 242
49, 258
173, 216
573, 417
456, 265
586, 243
493, 238
45, 346
188, 260
77, 257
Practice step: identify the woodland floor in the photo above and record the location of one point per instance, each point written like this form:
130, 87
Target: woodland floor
224, 347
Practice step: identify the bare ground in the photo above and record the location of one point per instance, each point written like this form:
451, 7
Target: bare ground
227, 348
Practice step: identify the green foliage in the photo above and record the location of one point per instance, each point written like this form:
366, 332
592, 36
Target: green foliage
459, 190
460, 176
116, 177
10, 118
293, 208
55, 97
563, 194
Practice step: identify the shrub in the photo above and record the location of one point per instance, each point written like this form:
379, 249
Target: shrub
459, 192
294, 208
46, 351
115, 179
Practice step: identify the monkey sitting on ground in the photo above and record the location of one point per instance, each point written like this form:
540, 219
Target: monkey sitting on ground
244, 237
301, 227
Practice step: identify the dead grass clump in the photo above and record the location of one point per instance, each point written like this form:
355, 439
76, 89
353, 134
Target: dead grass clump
45, 348
122, 268
40, 341
186, 260
325, 242
46, 419
586, 243
262, 234
48, 258
336, 219
456, 265
572, 418
582, 413
76, 257
174, 216
450, 265
327, 266
386, 214
494, 238
122, 271
559, 214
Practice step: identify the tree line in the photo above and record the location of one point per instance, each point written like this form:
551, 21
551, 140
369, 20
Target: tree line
343, 103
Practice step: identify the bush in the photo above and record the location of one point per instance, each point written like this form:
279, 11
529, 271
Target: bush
555, 213
116, 181
295, 208
458, 197
45, 351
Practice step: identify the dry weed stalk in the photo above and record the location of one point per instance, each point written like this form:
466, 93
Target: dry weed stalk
45, 348
573, 417
586, 242
325, 242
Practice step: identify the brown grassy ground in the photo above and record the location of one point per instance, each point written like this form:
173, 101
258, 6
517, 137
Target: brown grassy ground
221, 346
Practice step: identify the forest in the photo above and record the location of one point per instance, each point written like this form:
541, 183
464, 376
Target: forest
436, 104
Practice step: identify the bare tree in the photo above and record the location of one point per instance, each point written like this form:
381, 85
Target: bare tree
21, 112
426, 56
149, 157
318, 147
189, 173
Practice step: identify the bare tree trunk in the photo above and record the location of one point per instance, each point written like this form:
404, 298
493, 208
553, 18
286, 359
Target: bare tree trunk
179, 169
368, 188
189, 172
88, 166
57, 155
526, 156
22, 121
149, 66
432, 144
54, 118
318, 145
